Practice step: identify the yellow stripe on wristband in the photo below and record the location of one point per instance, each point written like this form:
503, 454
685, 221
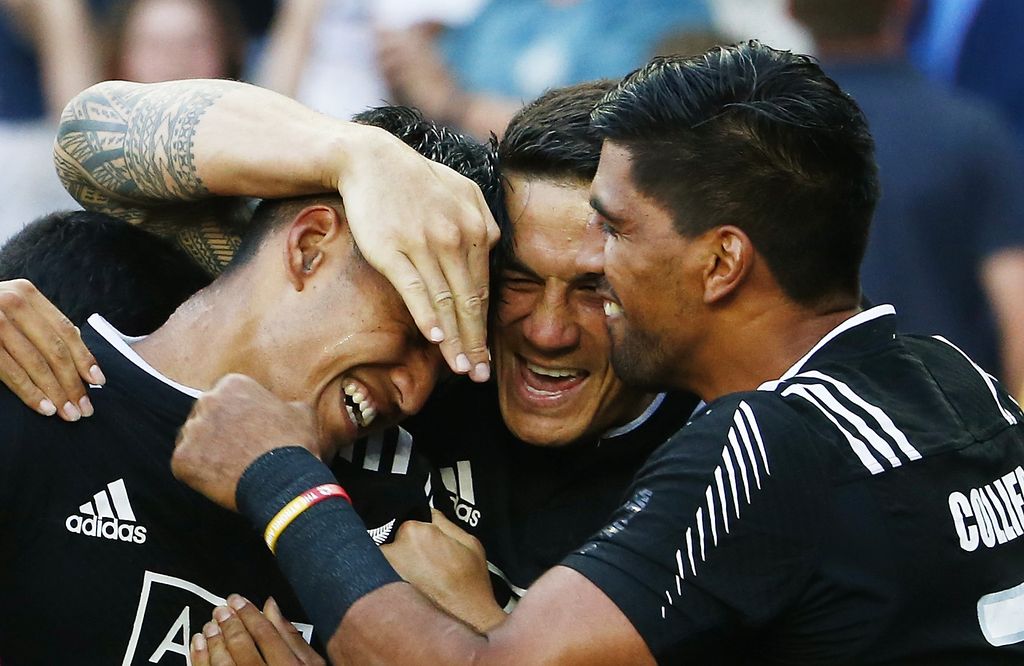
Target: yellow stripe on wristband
294, 508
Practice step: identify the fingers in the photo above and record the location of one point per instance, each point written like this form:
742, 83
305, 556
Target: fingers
235, 637
300, 648
442, 303
470, 304
199, 651
44, 360
458, 285
453, 531
239, 635
210, 649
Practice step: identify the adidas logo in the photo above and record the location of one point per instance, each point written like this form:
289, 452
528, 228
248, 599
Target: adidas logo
108, 515
458, 481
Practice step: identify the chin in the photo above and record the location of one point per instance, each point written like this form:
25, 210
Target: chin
542, 433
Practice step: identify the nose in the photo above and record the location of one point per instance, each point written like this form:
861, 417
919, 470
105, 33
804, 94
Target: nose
590, 257
551, 326
415, 378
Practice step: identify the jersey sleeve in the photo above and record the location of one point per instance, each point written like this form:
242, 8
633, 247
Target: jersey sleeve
718, 534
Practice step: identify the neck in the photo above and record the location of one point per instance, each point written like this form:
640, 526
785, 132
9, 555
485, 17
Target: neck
749, 348
209, 336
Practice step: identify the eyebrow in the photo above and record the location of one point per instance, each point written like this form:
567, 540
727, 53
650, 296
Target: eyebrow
516, 266
596, 204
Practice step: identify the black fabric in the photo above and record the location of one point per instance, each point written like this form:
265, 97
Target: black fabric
70, 598
325, 552
816, 520
528, 505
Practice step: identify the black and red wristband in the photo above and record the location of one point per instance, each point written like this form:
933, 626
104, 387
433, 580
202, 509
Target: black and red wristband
325, 552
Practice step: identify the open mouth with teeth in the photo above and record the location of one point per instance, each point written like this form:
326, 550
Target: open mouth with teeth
358, 403
547, 382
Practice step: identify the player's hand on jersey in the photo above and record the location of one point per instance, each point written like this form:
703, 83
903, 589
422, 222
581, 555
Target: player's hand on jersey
232, 425
240, 635
428, 230
449, 566
42, 357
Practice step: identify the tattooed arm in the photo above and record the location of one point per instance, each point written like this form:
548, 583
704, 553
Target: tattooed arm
135, 149
155, 156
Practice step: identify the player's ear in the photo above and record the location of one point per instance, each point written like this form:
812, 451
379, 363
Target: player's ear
309, 234
729, 260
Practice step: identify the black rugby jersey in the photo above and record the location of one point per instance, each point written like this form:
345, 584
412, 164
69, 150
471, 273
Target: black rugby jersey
528, 505
865, 508
105, 558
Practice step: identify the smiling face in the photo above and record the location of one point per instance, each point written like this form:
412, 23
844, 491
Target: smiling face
654, 308
338, 335
554, 373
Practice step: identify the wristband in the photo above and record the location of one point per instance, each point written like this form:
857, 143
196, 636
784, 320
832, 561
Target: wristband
292, 510
325, 554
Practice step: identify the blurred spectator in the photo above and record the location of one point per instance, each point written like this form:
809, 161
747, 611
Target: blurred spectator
477, 76
957, 42
947, 243
767, 21
162, 40
47, 55
323, 52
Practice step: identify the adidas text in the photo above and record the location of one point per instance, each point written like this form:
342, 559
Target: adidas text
107, 528
466, 513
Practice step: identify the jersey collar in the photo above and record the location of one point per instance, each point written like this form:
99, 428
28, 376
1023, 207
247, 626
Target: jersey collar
122, 343
880, 318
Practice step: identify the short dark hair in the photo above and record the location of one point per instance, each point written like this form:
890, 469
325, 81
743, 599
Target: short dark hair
472, 159
761, 139
87, 262
552, 137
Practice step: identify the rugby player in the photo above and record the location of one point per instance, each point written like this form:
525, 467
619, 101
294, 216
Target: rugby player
536, 460
539, 458
93, 518
849, 494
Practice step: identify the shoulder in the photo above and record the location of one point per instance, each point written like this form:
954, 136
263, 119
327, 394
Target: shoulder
765, 420
742, 440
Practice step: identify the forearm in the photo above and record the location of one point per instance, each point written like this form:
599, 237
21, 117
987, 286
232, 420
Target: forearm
397, 625
135, 145
344, 583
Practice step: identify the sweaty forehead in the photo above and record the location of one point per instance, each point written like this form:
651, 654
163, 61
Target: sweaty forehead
549, 222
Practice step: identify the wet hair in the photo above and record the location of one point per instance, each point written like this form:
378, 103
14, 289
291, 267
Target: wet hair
87, 262
761, 139
551, 136
474, 160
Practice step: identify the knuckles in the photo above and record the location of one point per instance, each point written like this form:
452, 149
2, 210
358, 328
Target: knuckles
11, 301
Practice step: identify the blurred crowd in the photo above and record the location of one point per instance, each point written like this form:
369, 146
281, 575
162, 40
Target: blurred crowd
940, 83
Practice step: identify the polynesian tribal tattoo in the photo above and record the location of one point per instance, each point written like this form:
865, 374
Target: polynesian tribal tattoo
128, 151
